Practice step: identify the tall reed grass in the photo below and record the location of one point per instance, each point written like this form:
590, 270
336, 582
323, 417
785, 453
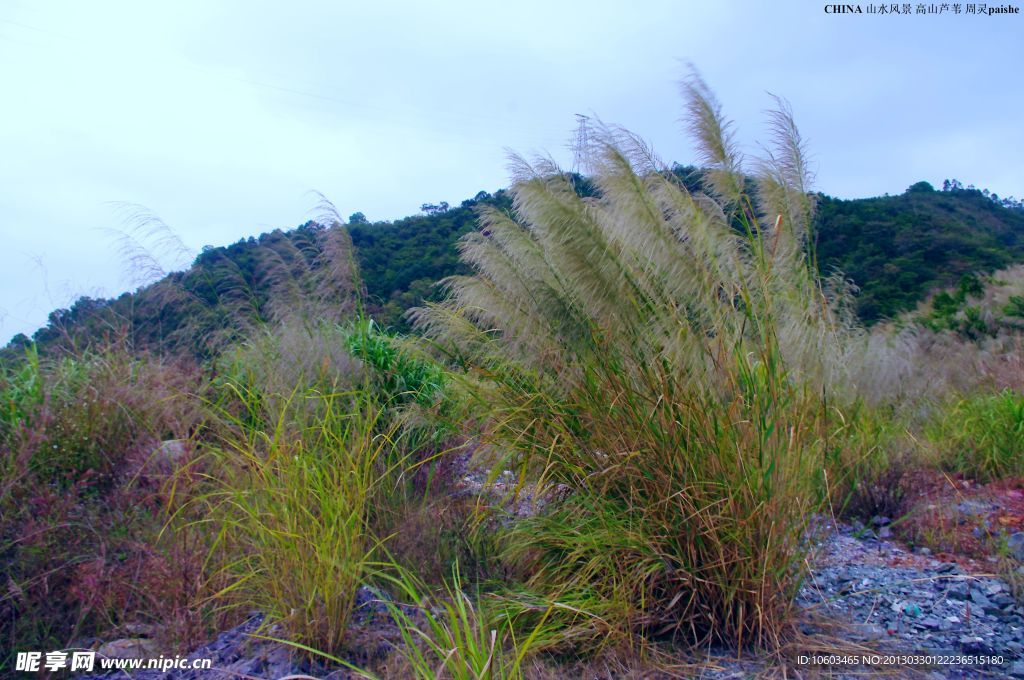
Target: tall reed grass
290, 492
668, 357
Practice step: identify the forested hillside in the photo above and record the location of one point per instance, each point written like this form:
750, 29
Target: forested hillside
897, 248
894, 249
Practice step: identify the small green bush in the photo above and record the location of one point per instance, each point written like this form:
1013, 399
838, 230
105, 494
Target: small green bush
398, 377
455, 636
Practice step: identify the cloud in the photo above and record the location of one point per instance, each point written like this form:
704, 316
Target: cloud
219, 117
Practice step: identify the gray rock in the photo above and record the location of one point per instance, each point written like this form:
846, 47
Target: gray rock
867, 632
957, 590
972, 644
996, 613
976, 508
128, 648
173, 451
978, 598
1003, 599
1015, 543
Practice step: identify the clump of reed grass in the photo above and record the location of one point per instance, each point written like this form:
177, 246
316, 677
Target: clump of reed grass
289, 497
669, 358
279, 358
868, 454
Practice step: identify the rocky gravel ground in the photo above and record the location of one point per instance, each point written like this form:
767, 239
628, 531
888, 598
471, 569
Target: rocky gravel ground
238, 653
872, 596
868, 602
899, 602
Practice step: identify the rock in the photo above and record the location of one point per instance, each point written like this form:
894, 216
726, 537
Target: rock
138, 630
957, 591
997, 613
172, 451
976, 508
884, 532
867, 632
978, 598
129, 648
880, 520
1015, 543
930, 622
972, 644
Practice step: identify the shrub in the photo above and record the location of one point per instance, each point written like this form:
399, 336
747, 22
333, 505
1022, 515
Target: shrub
398, 377
413, 390
868, 454
82, 499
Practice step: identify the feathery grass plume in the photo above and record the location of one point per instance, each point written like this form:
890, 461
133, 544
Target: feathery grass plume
229, 294
337, 254
716, 141
667, 357
219, 309
145, 241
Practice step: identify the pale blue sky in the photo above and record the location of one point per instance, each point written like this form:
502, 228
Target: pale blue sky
220, 117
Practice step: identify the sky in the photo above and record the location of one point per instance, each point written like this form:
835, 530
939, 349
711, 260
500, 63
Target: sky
222, 118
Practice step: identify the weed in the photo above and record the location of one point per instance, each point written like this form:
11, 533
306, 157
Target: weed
456, 637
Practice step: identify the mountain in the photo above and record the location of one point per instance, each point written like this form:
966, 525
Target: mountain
895, 249
898, 248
